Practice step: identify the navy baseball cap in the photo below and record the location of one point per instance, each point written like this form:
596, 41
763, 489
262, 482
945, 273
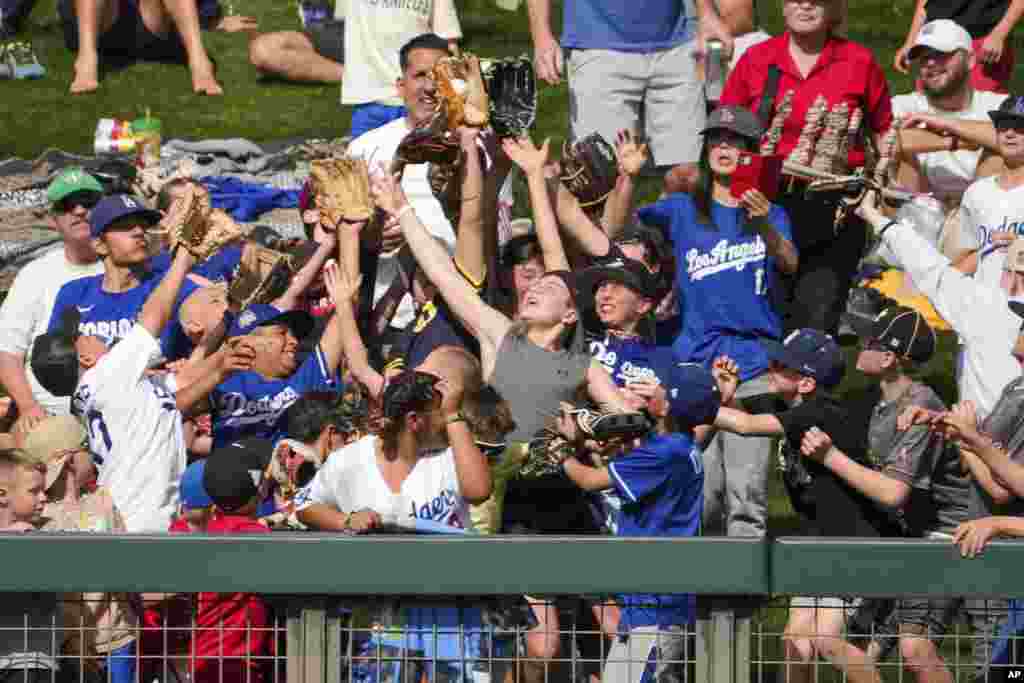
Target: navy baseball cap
261, 315
191, 492
693, 395
810, 352
115, 207
1010, 112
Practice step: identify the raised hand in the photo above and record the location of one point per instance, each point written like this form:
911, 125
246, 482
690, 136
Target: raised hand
756, 204
387, 192
526, 155
631, 153
727, 377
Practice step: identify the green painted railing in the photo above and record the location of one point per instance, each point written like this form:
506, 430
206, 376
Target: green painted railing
309, 563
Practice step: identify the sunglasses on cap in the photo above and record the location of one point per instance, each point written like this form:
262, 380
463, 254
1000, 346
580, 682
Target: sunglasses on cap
873, 345
86, 200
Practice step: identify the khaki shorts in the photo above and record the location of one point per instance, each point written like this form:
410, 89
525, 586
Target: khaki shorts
656, 95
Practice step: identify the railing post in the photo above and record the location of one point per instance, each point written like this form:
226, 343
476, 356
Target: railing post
308, 640
723, 639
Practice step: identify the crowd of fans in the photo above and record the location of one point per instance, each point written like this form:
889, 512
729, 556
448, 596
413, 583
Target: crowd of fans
435, 368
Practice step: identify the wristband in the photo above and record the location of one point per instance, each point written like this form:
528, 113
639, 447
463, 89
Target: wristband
404, 210
457, 417
881, 233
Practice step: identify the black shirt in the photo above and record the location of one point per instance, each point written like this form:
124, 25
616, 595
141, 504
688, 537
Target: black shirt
839, 509
979, 17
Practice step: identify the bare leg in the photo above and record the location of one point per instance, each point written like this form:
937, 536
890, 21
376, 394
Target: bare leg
922, 659
163, 16
93, 17
848, 658
292, 56
542, 642
799, 651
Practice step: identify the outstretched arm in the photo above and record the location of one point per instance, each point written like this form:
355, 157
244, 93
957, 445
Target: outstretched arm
486, 324
213, 370
160, 304
469, 244
603, 390
351, 340
532, 160
631, 155
307, 274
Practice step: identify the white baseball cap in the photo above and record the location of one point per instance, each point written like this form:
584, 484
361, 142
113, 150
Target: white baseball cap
944, 35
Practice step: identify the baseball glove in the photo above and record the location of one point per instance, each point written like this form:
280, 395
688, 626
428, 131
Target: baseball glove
192, 224
590, 169
341, 189
426, 145
264, 274
461, 94
609, 431
512, 87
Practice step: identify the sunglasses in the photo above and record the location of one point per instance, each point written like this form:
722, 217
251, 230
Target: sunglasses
86, 200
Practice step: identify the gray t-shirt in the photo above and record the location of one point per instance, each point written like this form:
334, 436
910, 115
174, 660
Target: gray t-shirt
533, 381
923, 460
30, 631
1005, 426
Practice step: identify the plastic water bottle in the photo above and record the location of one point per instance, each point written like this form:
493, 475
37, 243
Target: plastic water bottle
714, 70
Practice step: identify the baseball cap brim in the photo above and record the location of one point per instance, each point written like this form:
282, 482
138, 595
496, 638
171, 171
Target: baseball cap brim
778, 352
731, 129
592, 278
299, 322
1005, 117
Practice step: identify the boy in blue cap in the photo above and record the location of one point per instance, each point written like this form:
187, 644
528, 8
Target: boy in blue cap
803, 369
661, 483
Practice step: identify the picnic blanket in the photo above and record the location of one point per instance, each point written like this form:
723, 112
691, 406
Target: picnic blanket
256, 183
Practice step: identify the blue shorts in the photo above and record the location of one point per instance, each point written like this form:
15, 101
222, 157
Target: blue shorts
370, 116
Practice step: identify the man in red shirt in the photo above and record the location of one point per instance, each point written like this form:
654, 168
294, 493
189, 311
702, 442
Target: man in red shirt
233, 637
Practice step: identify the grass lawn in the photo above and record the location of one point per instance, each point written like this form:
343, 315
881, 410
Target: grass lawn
40, 114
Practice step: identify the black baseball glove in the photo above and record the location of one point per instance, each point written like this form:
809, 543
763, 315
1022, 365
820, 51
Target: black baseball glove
512, 87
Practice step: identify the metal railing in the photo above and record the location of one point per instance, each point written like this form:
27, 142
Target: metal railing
737, 636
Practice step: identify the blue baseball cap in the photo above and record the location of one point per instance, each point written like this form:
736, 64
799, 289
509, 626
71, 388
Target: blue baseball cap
261, 315
191, 491
693, 395
812, 353
115, 207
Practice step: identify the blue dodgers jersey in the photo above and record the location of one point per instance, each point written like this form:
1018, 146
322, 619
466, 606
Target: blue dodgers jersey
110, 316
661, 483
220, 267
723, 277
629, 359
248, 405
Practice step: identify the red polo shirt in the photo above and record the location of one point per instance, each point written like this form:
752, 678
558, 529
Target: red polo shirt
845, 72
